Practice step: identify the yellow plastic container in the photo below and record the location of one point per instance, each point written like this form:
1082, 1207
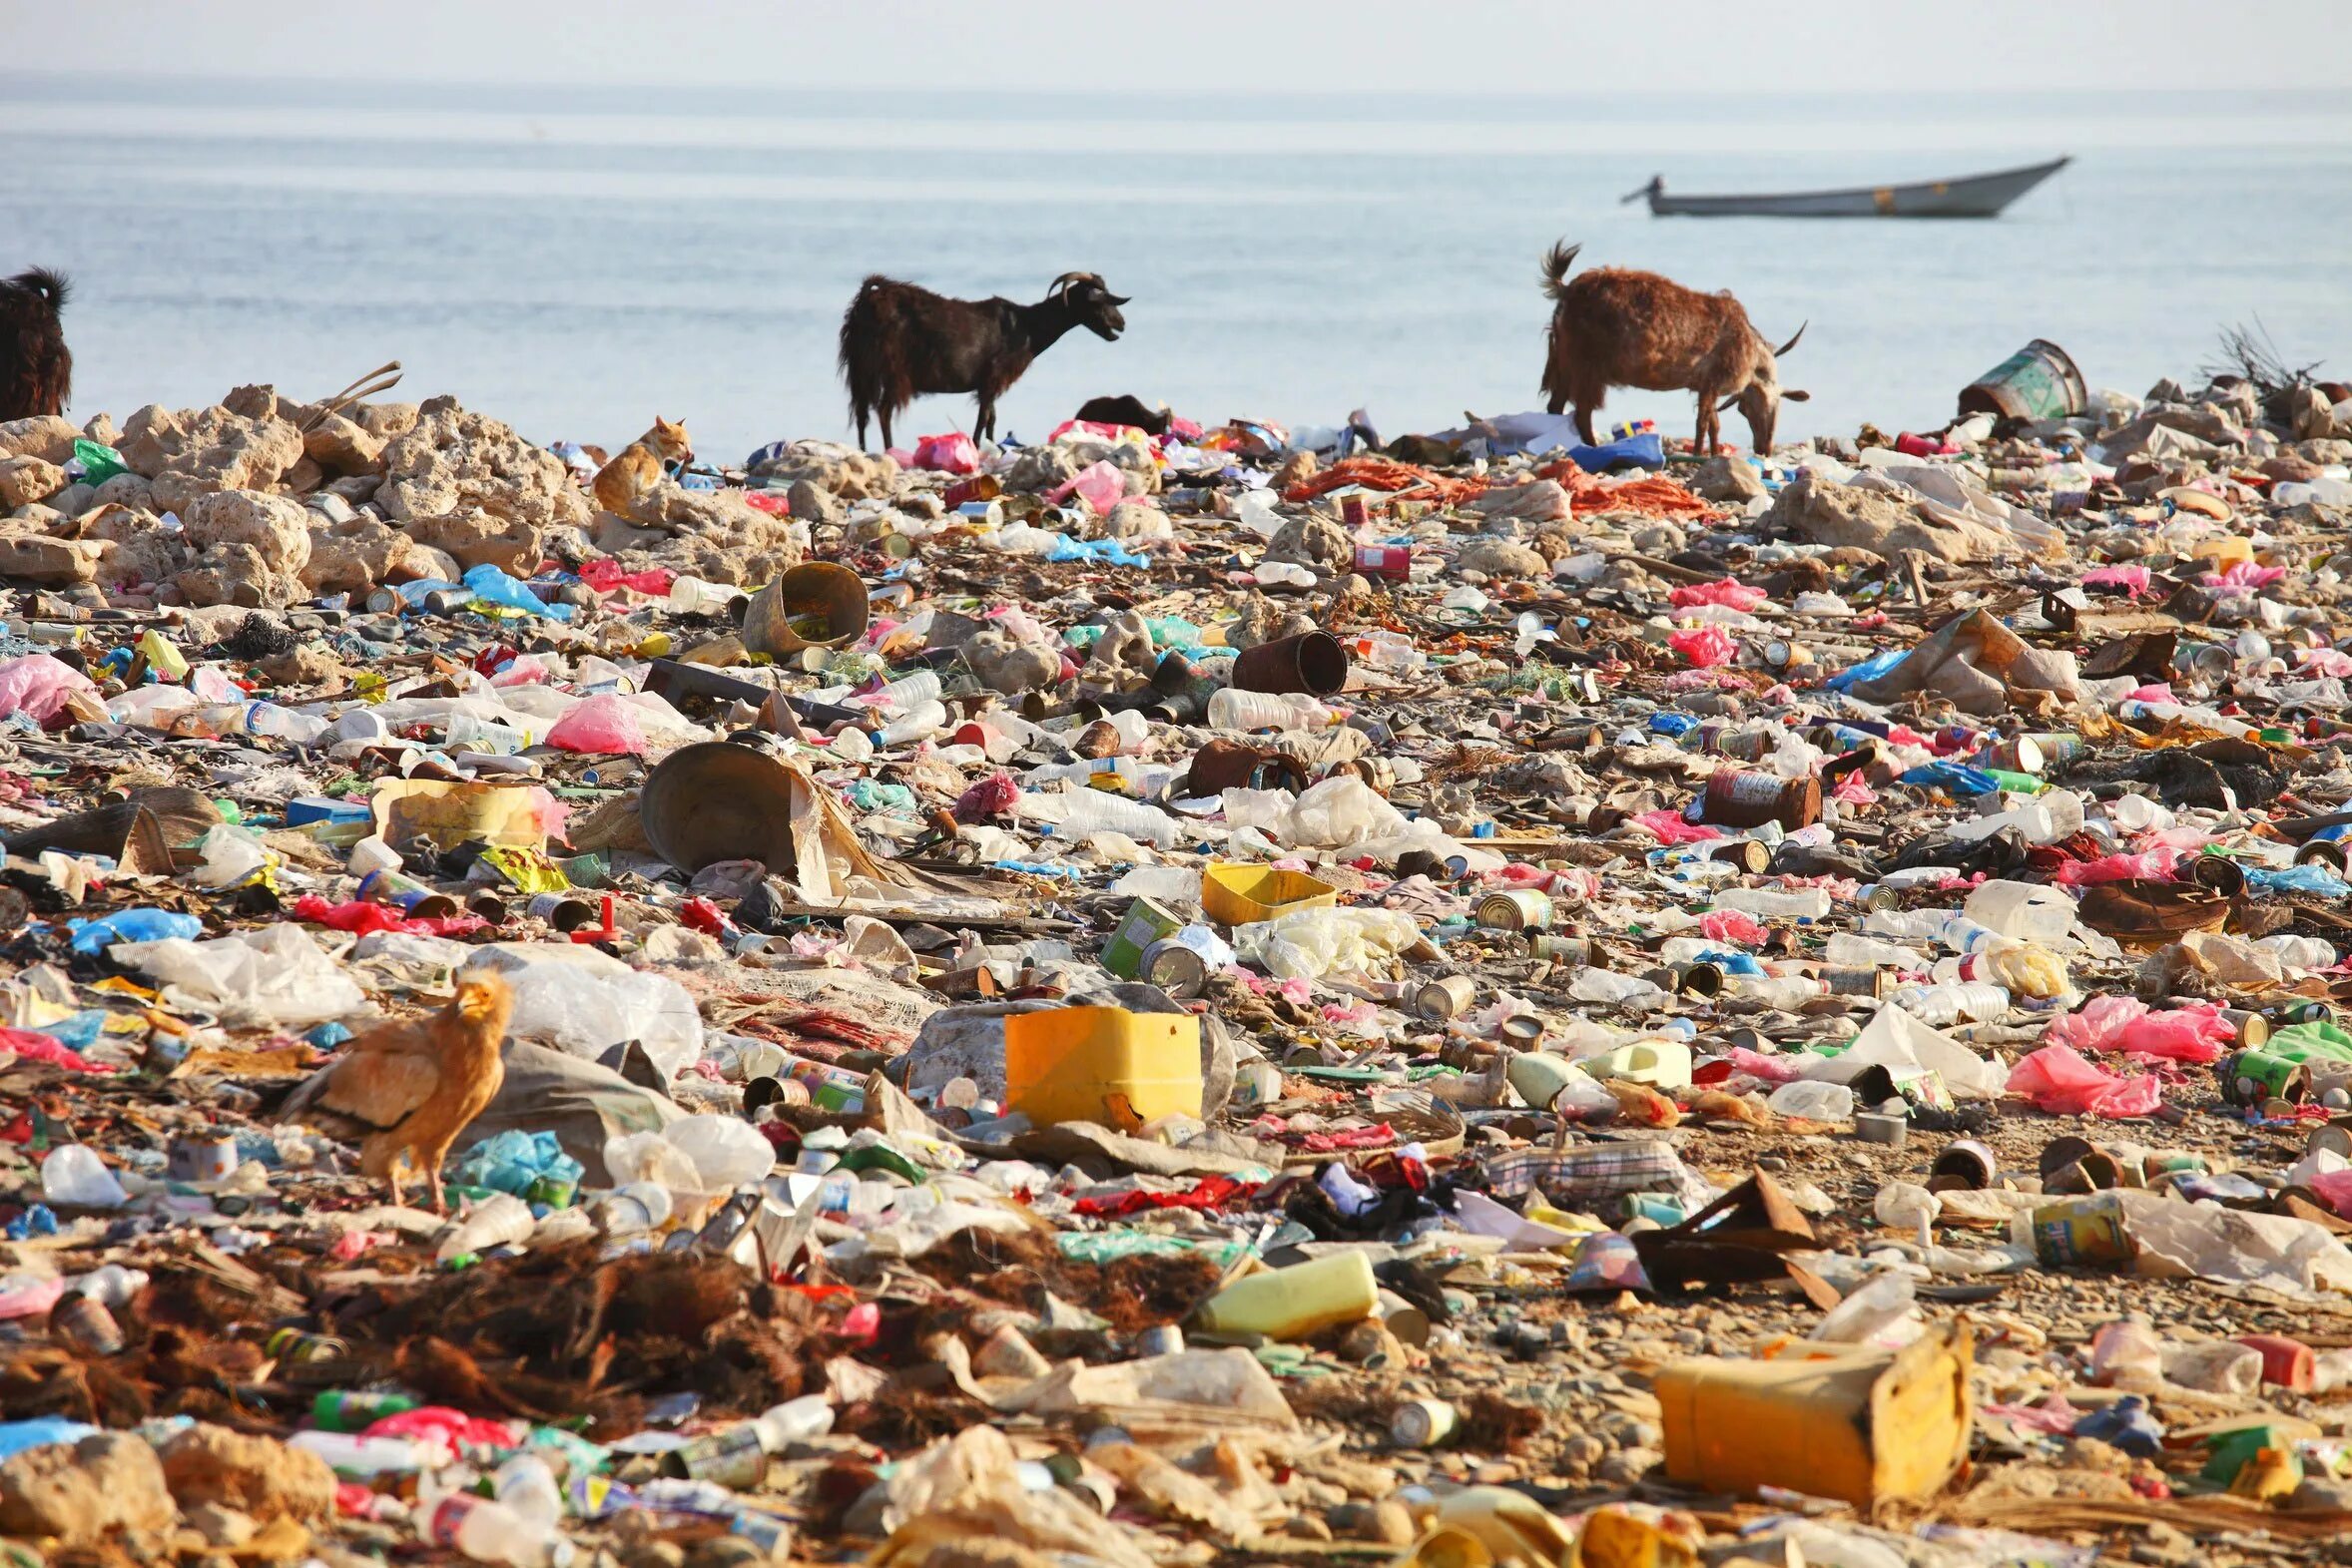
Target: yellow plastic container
1293, 1303
1862, 1428
1101, 1064
1246, 894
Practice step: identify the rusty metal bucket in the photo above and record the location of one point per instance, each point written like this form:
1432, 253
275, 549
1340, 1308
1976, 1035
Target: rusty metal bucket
818, 596
2039, 381
1311, 662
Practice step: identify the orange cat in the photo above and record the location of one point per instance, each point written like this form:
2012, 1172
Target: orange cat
637, 473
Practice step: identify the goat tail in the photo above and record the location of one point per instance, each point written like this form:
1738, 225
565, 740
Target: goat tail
1556, 263
53, 288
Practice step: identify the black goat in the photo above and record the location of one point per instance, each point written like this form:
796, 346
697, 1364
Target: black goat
36, 370
899, 341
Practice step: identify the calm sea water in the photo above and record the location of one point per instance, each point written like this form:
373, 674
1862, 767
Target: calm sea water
575, 261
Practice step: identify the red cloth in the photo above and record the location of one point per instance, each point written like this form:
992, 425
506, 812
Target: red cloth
1214, 1191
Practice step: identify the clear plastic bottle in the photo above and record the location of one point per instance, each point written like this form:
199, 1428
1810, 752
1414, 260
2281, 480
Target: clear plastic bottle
918, 723
1910, 925
489, 1531
694, 595
283, 723
1788, 992
1846, 948
1771, 903
907, 692
1813, 1101
1231, 709
526, 1484
495, 1222
1940, 1005
1099, 811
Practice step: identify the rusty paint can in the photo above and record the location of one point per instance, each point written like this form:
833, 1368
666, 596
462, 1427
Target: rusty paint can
1965, 1163
1421, 1423
85, 1321
734, 1458
1447, 998
1174, 968
1857, 980
1574, 951
564, 911
1734, 799
1746, 853
2016, 754
1516, 910
1389, 562
1311, 662
200, 1160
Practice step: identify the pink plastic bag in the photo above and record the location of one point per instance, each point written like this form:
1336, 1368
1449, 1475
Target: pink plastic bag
1102, 486
2133, 579
1731, 926
600, 723
452, 1429
2334, 1189
1704, 646
35, 1047
1729, 591
2060, 1082
1670, 828
2155, 865
950, 454
38, 685
2124, 1023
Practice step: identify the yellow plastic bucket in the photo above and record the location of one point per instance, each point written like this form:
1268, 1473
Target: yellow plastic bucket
1240, 894
1860, 1427
1101, 1064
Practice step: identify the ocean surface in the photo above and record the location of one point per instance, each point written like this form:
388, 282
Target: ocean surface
577, 260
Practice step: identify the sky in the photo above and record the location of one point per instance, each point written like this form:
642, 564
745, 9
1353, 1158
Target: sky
1272, 45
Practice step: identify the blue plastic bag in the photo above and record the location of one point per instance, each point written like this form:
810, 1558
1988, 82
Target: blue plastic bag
143, 924
1952, 777
1870, 669
492, 586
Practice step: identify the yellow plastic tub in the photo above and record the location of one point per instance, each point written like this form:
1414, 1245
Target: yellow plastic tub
1862, 1426
1101, 1064
1238, 895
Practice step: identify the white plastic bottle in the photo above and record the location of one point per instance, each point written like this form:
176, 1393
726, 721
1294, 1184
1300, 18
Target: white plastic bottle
1099, 811
1846, 948
1940, 1005
489, 1531
1769, 903
909, 692
362, 1459
795, 1420
918, 723
496, 1222
1232, 709
1910, 925
694, 595
283, 723
526, 1484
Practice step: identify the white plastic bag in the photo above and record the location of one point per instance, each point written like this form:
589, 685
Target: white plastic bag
585, 1002
276, 977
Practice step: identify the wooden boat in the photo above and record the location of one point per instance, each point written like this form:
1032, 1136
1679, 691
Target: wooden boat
1975, 196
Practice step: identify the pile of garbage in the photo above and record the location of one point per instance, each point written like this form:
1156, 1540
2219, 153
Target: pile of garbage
1233, 994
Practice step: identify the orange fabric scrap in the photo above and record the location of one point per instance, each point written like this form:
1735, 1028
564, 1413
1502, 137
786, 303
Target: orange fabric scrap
1652, 495
1383, 474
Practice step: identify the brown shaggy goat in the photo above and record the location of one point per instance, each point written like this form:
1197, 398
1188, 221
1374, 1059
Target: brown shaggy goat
1615, 327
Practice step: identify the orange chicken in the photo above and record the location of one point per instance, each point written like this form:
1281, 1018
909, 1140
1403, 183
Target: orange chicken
407, 1089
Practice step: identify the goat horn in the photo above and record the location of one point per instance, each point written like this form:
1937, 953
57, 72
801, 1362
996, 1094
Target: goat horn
1727, 402
1068, 278
1792, 342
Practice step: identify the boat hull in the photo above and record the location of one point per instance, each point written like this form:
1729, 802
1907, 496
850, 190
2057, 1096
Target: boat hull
1975, 196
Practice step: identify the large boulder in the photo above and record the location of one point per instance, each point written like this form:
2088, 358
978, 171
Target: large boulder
341, 446
1727, 479
1309, 540
24, 480
833, 467
1840, 515
201, 451
81, 1493
49, 437
351, 556
715, 535
131, 547
249, 550
467, 483
1499, 557
256, 1475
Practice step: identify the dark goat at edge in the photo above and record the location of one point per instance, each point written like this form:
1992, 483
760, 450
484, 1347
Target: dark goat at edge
899, 341
36, 369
